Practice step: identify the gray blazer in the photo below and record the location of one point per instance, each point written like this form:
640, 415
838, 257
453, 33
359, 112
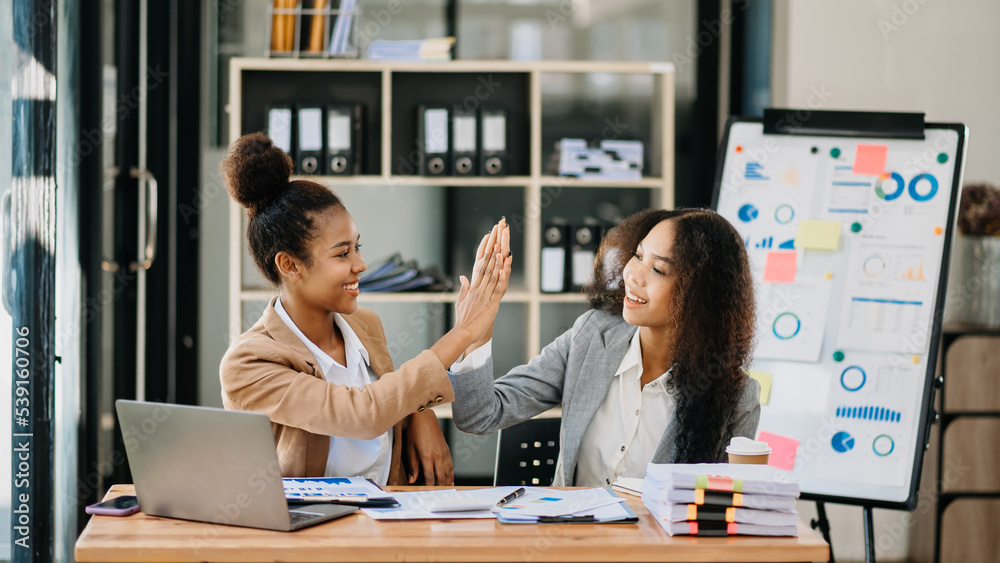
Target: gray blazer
575, 371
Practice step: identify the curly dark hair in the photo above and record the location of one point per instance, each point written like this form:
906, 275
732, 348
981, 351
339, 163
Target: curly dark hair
280, 213
713, 318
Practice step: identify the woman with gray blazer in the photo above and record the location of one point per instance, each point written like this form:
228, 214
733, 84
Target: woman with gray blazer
655, 370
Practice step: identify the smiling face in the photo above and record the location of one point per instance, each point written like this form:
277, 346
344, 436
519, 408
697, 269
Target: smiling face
649, 278
330, 280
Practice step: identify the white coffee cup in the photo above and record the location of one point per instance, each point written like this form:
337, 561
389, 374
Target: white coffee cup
745, 450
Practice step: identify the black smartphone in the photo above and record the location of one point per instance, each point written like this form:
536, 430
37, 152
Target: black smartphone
118, 506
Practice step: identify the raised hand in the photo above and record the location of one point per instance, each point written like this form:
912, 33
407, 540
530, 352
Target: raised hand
497, 241
478, 301
494, 246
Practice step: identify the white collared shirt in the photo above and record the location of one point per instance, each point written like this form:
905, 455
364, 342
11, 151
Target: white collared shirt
348, 457
628, 427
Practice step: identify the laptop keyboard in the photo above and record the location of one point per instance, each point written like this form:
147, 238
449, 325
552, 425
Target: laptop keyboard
299, 517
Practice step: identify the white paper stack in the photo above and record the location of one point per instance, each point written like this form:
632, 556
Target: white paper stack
721, 499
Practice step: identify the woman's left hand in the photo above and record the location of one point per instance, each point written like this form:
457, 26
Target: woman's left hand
427, 451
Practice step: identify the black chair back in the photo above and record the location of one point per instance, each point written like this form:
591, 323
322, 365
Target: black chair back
527, 453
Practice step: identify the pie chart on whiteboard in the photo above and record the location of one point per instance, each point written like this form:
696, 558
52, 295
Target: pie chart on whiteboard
842, 442
747, 213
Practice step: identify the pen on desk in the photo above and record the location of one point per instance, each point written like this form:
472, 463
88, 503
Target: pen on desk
511, 497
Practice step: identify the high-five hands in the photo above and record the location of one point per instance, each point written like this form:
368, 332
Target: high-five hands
478, 300
492, 258
498, 239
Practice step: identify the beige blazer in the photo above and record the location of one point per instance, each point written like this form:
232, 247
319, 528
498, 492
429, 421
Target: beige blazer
269, 370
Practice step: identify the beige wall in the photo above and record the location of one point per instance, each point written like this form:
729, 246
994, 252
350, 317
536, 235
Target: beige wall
941, 57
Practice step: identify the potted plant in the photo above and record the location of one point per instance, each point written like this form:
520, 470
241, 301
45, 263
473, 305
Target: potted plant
974, 291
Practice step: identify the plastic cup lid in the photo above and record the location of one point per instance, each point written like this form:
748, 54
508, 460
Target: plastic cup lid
745, 446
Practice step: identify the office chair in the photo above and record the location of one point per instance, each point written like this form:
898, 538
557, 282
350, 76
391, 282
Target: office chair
527, 452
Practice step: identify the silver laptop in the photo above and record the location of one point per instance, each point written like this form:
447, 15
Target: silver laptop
211, 465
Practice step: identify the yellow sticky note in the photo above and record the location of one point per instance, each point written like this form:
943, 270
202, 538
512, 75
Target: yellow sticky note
818, 235
765, 385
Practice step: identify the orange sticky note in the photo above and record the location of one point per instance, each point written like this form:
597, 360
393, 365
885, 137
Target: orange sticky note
870, 159
780, 267
783, 450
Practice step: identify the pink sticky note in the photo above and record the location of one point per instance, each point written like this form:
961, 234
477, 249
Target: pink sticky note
783, 450
780, 267
870, 159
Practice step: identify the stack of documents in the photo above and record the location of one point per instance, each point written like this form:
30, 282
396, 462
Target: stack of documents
628, 485
421, 50
721, 499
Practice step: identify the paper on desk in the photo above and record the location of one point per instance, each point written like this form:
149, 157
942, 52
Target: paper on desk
628, 485
538, 501
413, 506
330, 488
610, 513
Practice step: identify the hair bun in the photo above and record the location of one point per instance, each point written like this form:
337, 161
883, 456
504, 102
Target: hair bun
255, 171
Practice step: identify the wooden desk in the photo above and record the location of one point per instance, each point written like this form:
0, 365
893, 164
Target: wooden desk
358, 538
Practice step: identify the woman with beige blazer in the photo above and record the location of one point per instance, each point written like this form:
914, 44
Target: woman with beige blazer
315, 362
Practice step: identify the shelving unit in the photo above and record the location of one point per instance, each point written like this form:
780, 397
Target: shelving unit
392, 92
949, 336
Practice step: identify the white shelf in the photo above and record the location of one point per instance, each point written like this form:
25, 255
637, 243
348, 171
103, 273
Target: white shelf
393, 180
406, 297
478, 181
359, 180
361, 65
562, 298
369, 297
536, 185
566, 182
432, 297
